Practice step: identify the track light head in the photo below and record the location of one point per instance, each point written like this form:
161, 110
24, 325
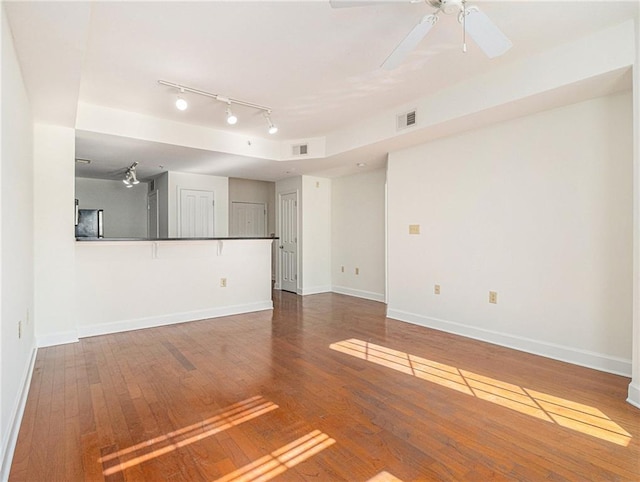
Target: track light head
181, 104
272, 128
231, 119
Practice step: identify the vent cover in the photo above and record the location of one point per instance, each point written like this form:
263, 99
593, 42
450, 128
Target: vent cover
406, 119
300, 150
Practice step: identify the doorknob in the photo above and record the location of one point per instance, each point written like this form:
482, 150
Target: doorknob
281, 247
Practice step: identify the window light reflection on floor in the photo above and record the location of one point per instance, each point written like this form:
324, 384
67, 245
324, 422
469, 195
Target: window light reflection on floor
277, 462
576, 416
232, 416
384, 476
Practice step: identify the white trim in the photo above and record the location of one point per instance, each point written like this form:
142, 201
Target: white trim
576, 356
314, 290
61, 338
154, 321
9, 447
634, 395
367, 295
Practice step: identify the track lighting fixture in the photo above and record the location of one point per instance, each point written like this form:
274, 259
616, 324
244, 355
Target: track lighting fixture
130, 177
231, 118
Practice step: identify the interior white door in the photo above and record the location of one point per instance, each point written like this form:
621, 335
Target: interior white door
289, 241
196, 214
152, 215
248, 220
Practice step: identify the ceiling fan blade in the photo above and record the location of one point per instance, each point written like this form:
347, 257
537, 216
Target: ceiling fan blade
485, 33
409, 42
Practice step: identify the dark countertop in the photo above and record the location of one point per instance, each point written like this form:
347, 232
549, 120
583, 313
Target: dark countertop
85, 239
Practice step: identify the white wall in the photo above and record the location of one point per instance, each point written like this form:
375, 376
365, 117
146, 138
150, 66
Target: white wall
130, 285
16, 248
634, 386
219, 186
125, 209
314, 231
316, 235
358, 235
54, 154
538, 209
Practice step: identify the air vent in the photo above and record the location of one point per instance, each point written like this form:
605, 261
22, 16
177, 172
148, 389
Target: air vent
300, 150
407, 119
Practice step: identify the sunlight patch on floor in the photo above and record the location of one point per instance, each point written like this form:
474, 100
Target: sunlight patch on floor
279, 461
566, 413
384, 476
232, 416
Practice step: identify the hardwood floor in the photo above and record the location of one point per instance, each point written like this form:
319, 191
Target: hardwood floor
324, 388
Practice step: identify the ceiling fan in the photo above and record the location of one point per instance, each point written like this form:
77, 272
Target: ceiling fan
474, 22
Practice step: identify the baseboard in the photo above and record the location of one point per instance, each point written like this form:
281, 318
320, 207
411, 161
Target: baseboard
61, 338
154, 321
9, 447
634, 394
367, 295
314, 290
576, 356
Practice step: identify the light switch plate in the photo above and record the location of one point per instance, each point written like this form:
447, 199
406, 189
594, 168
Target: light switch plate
414, 229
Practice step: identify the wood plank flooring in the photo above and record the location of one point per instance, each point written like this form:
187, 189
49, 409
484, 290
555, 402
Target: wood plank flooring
324, 388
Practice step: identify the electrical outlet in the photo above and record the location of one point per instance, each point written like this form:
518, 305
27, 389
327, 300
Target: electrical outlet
223, 282
436, 289
19, 329
357, 270
414, 229
493, 297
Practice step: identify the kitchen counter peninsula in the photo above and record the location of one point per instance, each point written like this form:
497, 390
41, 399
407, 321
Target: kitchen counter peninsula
223, 238
131, 283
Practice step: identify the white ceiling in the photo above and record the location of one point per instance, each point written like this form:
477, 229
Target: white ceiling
317, 67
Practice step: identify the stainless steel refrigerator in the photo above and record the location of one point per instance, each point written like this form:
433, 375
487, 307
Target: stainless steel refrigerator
89, 223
